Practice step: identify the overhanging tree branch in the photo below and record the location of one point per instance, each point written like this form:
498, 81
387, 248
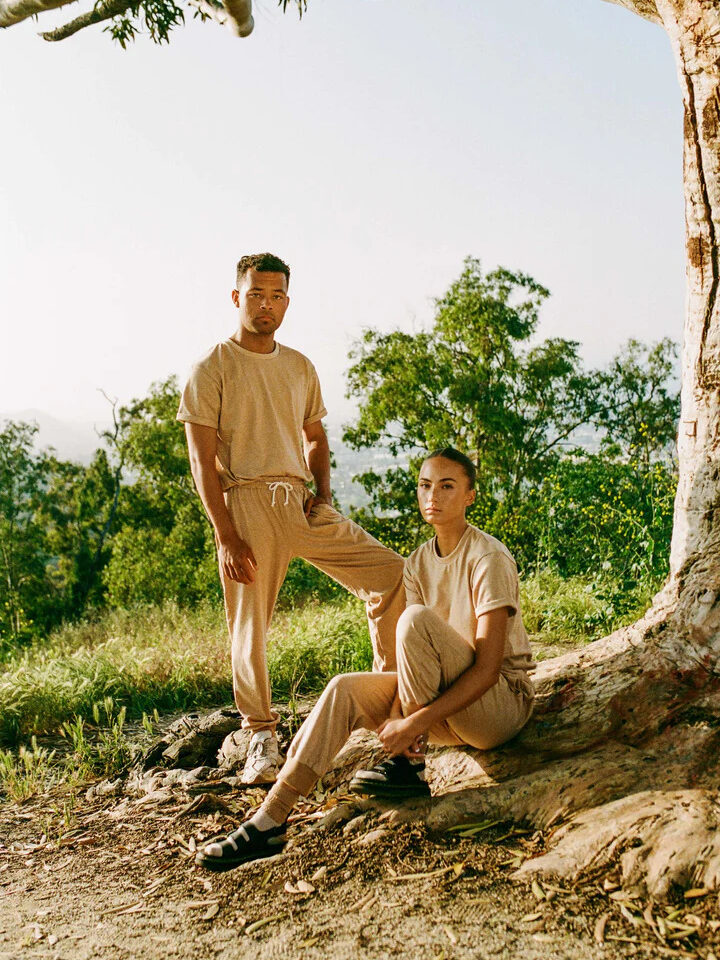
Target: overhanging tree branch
101, 11
15, 11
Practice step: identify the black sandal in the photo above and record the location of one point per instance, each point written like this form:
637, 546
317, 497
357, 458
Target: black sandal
242, 845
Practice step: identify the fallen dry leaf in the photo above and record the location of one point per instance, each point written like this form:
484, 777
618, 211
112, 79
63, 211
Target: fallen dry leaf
358, 905
456, 868
370, 903
252, 927
600, 925
696, 892
200, 904
537, 890
124, 908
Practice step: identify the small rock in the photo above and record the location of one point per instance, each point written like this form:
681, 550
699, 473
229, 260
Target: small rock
157, 796
338, 814
106, 788
139, 783
352, 826
371, 837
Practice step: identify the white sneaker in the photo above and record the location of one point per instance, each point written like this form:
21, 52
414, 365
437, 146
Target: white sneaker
261, 765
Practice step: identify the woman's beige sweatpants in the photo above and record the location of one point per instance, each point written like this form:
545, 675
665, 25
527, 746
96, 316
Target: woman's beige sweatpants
269, 517
431, 655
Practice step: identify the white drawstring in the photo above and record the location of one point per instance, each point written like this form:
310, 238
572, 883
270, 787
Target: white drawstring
277, 485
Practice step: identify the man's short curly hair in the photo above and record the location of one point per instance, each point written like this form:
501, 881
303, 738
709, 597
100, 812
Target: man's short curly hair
265, 262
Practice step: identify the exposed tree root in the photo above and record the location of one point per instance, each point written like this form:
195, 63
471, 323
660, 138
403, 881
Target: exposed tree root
661, 839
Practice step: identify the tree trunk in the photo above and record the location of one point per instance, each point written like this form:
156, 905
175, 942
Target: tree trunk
624, 737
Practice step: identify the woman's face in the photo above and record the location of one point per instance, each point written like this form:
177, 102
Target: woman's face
443, 491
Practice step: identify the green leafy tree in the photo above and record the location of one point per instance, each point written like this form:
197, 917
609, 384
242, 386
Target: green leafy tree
25, 589
474, 381
640, 402
164, 547
78, 513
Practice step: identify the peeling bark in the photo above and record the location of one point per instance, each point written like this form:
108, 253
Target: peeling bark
15, 11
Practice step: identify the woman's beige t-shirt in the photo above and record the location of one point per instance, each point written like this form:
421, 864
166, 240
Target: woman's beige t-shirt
258, 403
478, 576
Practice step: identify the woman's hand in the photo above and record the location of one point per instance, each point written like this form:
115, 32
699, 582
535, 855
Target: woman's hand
402, 737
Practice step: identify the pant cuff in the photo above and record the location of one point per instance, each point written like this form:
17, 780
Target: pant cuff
299, 776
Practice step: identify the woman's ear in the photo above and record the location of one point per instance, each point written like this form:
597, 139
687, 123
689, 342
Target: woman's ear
470, 497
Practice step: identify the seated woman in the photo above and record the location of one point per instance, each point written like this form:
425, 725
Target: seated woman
462, 677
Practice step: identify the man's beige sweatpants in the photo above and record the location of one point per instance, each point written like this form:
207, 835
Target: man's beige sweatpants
269, 517
431, 656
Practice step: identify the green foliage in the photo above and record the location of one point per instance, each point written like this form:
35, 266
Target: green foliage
472, 381
167, 658
106, 754
607, 517
161, 658
475, 381
26, 591
159, 17
640, 404
26, 772
306, 584
317, 642
164, 548
563, 610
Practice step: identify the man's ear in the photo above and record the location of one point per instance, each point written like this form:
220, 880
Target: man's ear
236, 297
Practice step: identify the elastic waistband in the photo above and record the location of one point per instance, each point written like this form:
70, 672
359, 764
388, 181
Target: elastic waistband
264, 481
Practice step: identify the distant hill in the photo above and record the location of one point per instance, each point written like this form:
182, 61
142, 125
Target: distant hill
71, 439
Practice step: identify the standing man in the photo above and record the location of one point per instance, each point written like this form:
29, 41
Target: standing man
253, 411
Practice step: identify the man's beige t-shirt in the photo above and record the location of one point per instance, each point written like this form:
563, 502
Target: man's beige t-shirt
478, 576
258, 403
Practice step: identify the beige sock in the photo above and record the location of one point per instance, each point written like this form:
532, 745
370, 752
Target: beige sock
280, 801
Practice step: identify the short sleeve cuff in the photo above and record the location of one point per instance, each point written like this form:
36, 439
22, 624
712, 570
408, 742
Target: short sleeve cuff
496, 605
315, 417
189, 418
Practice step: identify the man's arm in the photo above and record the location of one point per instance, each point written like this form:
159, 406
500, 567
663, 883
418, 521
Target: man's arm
235, 556
317, 455
397, 735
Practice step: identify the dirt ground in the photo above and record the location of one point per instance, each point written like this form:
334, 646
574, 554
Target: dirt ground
115, 877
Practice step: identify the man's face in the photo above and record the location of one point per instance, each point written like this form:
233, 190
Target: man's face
261, 300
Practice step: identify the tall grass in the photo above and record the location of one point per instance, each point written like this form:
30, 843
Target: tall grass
167, 658
579, 609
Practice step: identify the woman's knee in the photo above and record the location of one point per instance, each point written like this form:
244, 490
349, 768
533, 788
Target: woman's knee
342, 686
411, 623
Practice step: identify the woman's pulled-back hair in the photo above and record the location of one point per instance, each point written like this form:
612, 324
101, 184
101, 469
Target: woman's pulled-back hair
450, 453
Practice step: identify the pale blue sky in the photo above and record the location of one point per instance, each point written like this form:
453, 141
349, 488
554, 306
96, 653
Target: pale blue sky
373, 146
